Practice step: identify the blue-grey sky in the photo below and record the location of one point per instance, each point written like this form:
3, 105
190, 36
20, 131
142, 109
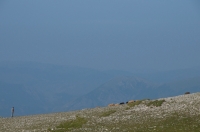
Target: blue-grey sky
131, 35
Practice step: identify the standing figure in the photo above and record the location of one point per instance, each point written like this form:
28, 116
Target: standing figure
12, 111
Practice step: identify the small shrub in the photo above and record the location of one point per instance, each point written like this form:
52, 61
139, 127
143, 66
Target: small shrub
127, 108
132, 104
156, 103
69, 125
107, 113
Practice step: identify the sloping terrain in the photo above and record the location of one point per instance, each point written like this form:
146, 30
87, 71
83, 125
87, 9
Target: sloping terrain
177, 114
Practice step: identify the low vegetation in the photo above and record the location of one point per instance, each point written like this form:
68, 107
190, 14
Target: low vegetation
107, 113
69, 125
173, 123
156, 103
132, 104
147, 102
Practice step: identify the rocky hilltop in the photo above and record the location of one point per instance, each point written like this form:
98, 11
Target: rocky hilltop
177, 114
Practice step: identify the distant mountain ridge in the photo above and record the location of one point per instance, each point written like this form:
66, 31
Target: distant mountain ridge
171, 76
15, 95
123, 89
118, 89
42, 88
54, 85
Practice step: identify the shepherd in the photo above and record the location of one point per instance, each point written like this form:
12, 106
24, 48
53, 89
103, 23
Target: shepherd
12, 111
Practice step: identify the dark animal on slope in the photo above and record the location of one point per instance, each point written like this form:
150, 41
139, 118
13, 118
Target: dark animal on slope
187, 92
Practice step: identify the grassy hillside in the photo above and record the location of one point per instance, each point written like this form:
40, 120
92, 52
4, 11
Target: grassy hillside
172, 114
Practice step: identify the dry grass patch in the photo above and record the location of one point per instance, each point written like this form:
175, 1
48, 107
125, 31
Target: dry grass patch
107, 113
70, 125
156, 103
132, 104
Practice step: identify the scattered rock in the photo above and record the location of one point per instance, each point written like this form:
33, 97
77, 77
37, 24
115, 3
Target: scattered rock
188, 104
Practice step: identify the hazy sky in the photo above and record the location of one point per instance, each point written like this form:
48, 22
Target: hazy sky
102, 34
